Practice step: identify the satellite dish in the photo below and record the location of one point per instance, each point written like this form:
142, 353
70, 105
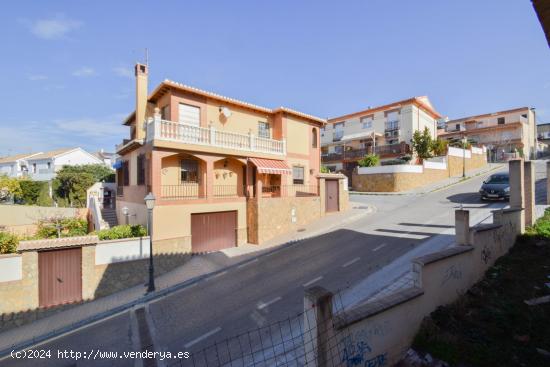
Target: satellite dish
226, 112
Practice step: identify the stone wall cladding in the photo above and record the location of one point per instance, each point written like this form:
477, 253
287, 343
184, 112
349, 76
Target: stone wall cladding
274, 215
21, 295
396, 182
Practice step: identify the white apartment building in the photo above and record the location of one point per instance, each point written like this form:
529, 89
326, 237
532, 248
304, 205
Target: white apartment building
388, 129
43, 166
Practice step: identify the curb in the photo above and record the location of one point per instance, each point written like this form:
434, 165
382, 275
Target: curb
171, 289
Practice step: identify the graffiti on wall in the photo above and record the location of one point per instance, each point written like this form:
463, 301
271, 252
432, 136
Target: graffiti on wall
452, 273
356, 347
486, 255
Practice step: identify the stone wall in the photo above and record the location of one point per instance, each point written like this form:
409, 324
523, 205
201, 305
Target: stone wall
397, 179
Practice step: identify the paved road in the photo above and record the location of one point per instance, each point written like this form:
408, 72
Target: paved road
271, 289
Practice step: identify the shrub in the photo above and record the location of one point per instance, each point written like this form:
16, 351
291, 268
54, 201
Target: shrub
439, 147
122, 231
370, 160
393, 162
406, 158
324, 169
68, 227
8, 243
422, 143
32, 191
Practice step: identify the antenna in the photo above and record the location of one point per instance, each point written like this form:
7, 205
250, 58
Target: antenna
146, 56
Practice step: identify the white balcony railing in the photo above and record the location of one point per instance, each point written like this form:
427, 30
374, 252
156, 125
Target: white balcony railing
158, 129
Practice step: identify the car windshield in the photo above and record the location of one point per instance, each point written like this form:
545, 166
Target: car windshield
500, 179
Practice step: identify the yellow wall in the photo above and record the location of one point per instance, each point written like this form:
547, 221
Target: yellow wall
241, 121
298, 136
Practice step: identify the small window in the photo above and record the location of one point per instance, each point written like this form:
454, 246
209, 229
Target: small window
263, 130
141, 169
457, 127
314, 138
49, 165
298, 175
366, 122
189, 171
501, 120
165, 112
34, 168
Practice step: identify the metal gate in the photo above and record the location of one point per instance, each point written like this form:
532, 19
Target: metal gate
213, 231
59, 276
331, 195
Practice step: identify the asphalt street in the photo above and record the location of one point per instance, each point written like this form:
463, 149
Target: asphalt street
271, 288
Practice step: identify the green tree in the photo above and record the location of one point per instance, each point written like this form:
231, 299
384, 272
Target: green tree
439, 147
324, 169
71, 182
369, 160
31, 190
9, 188
422, 143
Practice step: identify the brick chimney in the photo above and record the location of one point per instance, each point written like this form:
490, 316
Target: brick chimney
141, 72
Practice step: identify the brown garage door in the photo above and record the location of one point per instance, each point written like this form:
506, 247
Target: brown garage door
213, 231
331, 193
60, 276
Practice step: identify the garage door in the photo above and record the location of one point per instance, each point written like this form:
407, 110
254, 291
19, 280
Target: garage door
59, 276
331, 196
213, 231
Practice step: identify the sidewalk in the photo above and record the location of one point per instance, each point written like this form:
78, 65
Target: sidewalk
440, 184
197, 269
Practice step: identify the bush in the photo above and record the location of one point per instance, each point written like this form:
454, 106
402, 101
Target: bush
122, 231
370, 160
32, 192
324, 169
8, 243
439, 147
393, 162
68, 227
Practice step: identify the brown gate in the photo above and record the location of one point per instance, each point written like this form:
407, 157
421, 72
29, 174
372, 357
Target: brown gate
59, 276
213, 231
331, 195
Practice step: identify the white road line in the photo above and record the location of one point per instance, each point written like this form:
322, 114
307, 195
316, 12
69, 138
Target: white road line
247, 263
313, 281
263, 305
378, 247
202, 337
351, 262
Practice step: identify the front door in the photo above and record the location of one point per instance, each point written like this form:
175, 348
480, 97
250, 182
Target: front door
59, 276
331, 196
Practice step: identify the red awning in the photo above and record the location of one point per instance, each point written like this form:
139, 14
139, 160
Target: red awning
271, 166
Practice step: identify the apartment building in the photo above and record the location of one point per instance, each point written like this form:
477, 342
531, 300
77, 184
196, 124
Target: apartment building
42, 166
209, 160
506, 134
386, 130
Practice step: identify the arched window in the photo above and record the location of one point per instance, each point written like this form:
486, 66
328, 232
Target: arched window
314, 138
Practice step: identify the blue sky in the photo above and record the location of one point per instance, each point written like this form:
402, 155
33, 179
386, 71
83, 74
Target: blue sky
66, 66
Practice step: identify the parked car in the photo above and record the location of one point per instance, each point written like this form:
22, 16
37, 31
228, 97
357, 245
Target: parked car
496, 187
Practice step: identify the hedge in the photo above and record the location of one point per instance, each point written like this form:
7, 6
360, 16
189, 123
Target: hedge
8, 243
122, 231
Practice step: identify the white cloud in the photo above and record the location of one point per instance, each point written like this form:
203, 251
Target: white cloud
84, 72
35, 77
53, 28
123, 72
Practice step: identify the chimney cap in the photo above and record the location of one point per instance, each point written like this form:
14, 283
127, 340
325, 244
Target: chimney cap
141, 69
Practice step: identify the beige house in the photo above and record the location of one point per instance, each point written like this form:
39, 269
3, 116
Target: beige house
386, 129
218, 166
506, 134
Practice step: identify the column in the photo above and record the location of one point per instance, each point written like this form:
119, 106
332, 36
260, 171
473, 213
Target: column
516, 184
462, 227
318, 327
548, 183
529, 192
210, 179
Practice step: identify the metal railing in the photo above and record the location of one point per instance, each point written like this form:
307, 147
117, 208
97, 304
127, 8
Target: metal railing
390, 149
187, 133
296, 190
182, 191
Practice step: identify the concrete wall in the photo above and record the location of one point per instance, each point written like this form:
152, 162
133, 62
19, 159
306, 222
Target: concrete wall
23, 219
397, 178
383, 329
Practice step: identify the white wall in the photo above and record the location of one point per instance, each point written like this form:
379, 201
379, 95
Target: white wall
11, 268
108, 252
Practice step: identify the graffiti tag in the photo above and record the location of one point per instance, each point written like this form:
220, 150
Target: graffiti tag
451, 273
486, 255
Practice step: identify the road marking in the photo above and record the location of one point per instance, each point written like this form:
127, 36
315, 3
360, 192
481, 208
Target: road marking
351, 262
202, 337
313, 281
378, 247
247, 263
263, 305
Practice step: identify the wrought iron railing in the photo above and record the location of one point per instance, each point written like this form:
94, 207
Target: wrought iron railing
296, 190
182, 191
227, 191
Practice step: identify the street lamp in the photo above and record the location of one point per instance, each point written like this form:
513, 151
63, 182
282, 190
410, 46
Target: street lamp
464, 141
150, 204
126, 213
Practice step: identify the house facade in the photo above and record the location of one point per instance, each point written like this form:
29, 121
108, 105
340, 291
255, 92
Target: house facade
43, 166
506, 134
385, 130
210, 161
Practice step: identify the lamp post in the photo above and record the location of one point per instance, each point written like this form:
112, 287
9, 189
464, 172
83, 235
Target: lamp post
150, 204
126, 213
464, 141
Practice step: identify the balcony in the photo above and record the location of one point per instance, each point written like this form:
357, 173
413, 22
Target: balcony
391, 125
355, 154
190, 134
337, 135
